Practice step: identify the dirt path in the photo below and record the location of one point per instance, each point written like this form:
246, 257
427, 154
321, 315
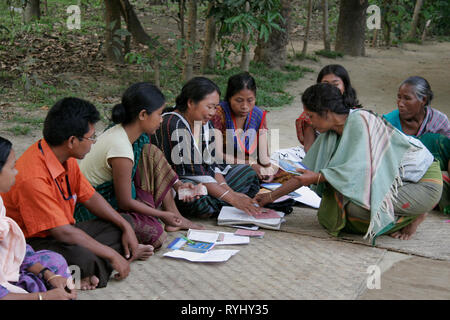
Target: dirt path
375, 78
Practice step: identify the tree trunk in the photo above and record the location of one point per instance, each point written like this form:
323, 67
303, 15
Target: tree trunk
209, 50
273, 52
45, 7
188, 72
308, 25
415, 21
351, 28
424, 34
386, 24
326, 39
133, 24
112, 19
32, 11
181, 15
245, 58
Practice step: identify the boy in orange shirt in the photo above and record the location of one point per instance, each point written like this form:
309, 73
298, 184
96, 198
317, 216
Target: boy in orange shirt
48, 186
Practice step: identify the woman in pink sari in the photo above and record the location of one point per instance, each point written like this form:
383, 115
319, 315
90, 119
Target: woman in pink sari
25, 274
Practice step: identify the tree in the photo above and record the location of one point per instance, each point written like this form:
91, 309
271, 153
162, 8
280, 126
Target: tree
272, 52
350, 35
188, 71
112, 19
209, 50
257, 23
415, 21
326, 39
308, 26
245, 58
32, 10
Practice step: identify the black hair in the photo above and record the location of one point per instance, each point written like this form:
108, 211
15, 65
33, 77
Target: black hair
421, 88
349, 93
5, 150
69, 117
139, 96
323, 97
240, 82
196, 90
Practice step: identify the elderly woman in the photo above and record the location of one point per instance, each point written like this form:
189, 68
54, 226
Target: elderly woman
187, 139
416, 117
364, 169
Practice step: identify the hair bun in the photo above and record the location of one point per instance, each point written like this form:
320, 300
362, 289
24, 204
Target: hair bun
118, 113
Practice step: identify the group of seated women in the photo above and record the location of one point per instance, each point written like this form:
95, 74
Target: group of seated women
376, 174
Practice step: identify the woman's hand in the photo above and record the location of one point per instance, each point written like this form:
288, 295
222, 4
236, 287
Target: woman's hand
57, 281
245, 203
308, 177
265, 174
263, 198
189, 192
59, 294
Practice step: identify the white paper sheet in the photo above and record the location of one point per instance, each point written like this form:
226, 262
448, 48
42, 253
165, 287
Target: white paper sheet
214, 237
210, 256
308, 197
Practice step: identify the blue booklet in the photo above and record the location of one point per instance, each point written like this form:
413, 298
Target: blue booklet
290, 166
190, 245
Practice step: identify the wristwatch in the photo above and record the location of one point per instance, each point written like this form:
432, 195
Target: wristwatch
42, 272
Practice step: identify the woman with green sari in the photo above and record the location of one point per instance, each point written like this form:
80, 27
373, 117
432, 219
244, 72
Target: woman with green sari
133, 175
373, 179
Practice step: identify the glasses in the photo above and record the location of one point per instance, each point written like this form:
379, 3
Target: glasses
93, 138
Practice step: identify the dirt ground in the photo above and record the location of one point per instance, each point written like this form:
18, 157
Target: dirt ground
375, 77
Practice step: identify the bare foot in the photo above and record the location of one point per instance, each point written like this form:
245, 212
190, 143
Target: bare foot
185, 225
143, 252
89, 283
407, 232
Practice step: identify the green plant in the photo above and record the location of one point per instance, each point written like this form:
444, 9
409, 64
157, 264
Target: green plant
234, 19
329, 54
301, 57
19, 130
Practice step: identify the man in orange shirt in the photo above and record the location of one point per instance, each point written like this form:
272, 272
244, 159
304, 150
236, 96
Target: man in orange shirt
48, 186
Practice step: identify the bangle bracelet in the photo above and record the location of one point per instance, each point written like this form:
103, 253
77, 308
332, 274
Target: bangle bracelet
224, 194
270, 196
318, 179
40, 297
53, 277
222, 183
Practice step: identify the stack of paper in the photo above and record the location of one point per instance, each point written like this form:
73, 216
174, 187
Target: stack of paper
233, 216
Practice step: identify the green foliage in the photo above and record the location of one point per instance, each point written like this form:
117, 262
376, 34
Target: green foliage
19, 130
299, 56
329, 54
258, 22
398, 15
